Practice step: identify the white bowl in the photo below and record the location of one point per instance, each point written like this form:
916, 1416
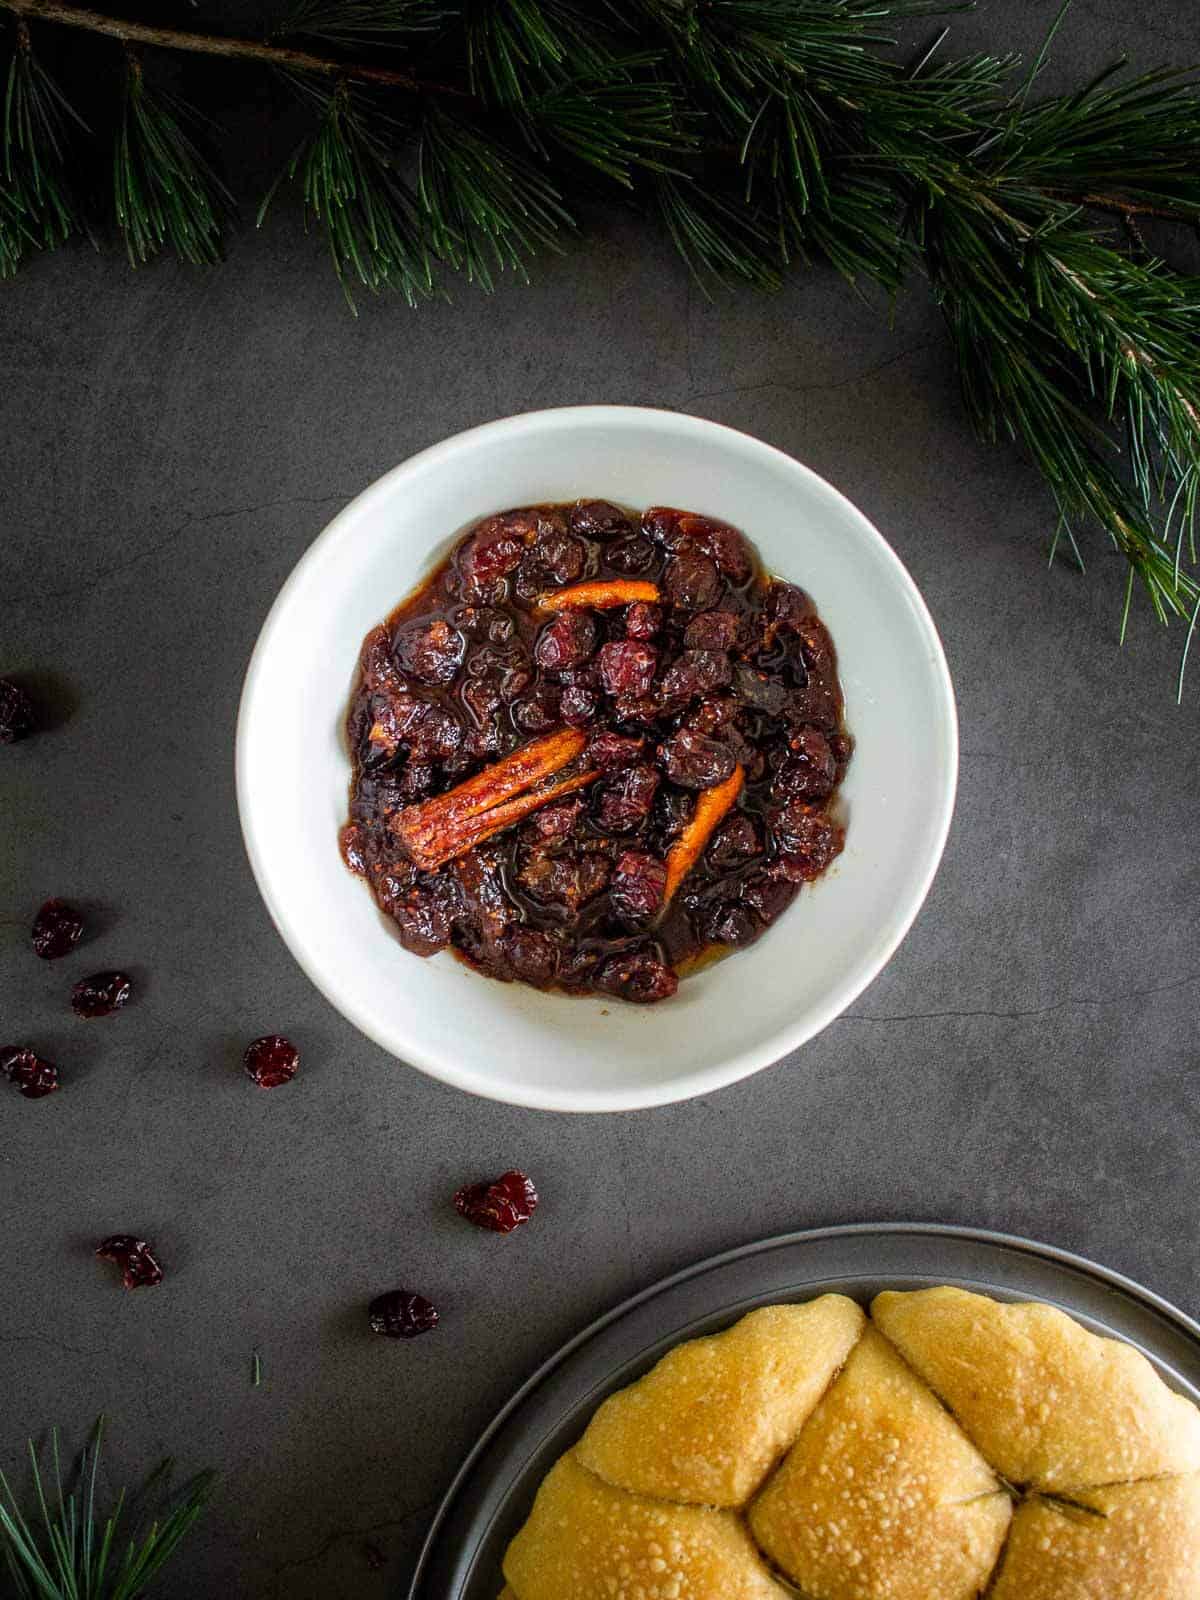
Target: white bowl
562, 1053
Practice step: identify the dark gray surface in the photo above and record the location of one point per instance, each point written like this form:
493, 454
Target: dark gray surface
172, 442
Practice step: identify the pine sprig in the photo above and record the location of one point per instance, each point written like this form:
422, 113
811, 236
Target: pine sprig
164, 191
446, 134
68, 1550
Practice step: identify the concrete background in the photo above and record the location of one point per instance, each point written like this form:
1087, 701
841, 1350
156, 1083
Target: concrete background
172, 441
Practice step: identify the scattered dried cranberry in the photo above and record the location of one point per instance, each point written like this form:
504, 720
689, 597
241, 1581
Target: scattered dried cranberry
691, 582
501, 1205
694, 761
139, 1269
627, 667
556, 820
638, 885
431, 651
722, 544
760, 691
786, 609
561, 557
729, 923
768, 894
567, 641
597, 519
400, 1314
735, 840
101, 994
57, 929
27, 1071
609, 750
540, 711
271, 1061
640, 977
16, 712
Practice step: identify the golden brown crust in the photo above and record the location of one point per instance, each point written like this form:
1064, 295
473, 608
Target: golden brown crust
1144, 1543
716, 1414
586, 1540
882, 1493
882, 1497
1048, 1403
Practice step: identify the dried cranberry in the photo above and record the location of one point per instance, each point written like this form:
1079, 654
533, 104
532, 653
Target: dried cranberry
718, 715
630, 556
723, 545
695, 762
673, 810
139, 1269
556, 820
414, 781
808, 841
57, 929
712, 630
597, 519
661, 523
570, 878
627, 667
735, 840
540, 711
350, 842
484, 622
643, 619
691, 582
422, 918
560, 557
567, 641
638, 976
101, 994
626, 798
17, 720
533, 956
400, 1314
808, 772
500, 1206
579, 706
430, 650
727, 922
786, 609
638, 885
27, 1071
608, 750
642, 709
693, 674
815, 703
760, 691
379, 670
271, 1061
817, 649
768, 894
488, 558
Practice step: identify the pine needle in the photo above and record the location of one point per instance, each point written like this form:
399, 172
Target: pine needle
38, 206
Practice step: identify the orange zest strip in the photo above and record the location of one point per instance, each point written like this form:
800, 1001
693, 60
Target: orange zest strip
599, 594
437, 830
711, 805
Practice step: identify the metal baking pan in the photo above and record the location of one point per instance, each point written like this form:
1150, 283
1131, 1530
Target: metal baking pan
491, 1495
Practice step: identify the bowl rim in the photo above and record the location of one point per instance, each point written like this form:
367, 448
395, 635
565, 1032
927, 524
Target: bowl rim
734, 1068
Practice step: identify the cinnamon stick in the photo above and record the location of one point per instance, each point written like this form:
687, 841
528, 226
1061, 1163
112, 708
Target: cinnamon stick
711, 805
598, 594
438, 830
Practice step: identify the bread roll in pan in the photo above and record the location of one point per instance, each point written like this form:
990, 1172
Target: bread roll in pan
491, 1495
